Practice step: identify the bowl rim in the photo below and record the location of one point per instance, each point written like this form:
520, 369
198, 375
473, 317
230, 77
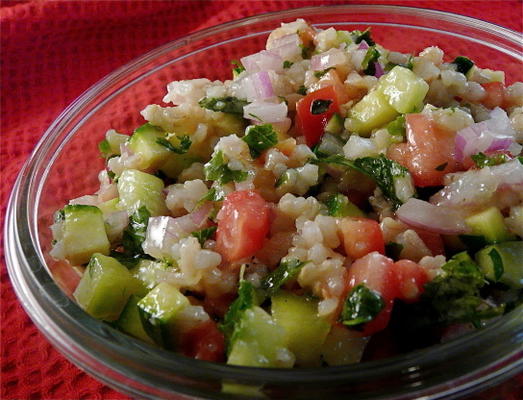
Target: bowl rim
195, 366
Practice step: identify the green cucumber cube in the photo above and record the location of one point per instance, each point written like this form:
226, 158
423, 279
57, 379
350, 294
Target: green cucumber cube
403, 89
110, 206
143, 142
83, 233
159, 310
148, 271
176, 163
490, 224
130, 321
335, 124
510, 270
105, 288
137, 189
305, 331
260, 342
371, 112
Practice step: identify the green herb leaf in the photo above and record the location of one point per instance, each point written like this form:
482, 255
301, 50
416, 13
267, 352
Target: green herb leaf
319, 74
286, 271
408, 65
361, 306
339, 205
393, 250
218, 170
306, 52
370, 58
442, 167
520, 159
287, 64
397, 127
302, 90
482, 160
319, 106
245, 300
238, 69
497, 263
105, 148
185, 144
260, 138
463, 64
204, 234
229, 104
365, 35
134, 234
212, 195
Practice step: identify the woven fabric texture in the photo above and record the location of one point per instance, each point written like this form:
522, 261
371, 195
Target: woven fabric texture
52, 51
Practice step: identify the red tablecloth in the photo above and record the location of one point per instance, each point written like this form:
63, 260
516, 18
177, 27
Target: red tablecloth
54, 50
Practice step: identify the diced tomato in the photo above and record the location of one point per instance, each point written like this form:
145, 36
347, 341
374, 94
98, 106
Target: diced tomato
408, 278
429, 151
204, 342
495, 94
361, 236
375, 271
312, 125
243, 224
432, 240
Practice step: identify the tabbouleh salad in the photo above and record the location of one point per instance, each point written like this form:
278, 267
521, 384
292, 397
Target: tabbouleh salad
332, 198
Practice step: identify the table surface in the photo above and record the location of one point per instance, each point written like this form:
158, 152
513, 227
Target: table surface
52, 52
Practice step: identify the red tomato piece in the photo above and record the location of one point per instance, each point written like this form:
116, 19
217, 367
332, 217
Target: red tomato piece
409, 279
312, 125
361, 236
243, 224
432, 240
429, 151
375, 271
204, 342
495, 94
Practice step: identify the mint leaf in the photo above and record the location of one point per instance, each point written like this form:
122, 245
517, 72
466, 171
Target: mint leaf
497, 263
204, 234
361, 306
463, 64
367, 65
229, 104
482, 160
260, 138
286, 271
185, 144
134, 234
320, 106
218, 170
365, 35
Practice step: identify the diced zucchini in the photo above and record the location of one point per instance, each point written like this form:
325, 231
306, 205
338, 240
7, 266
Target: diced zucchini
83, 233
143, 142
130, 321
489, 224
105, 288
335, 124
403, 89
343, 346
137, 189
260, 342
507, 268
373, 111
159, 310
305, 331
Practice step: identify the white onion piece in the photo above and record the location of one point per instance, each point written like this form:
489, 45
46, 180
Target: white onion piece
163, 232
88, 200
287, 47
265, 112
423, 215
199, 215
494, 134
293, 38
116, 222
264, 60
328, 59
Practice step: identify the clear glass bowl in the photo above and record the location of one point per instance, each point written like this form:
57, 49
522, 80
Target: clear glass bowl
65, 163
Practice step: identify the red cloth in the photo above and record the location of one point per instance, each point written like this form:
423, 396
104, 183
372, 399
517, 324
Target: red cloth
54, 50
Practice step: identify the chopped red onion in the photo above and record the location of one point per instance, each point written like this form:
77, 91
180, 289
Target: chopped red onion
200, 215
258, 86
328, 59
363, 45
264, 60
265, 112
494, 134
287, 47
423, 215
379, 70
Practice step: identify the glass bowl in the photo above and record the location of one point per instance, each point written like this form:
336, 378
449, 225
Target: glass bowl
65, 163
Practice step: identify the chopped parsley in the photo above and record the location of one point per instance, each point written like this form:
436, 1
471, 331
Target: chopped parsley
287, 64
182, 148
212, 195
361, 306
409, 65
204, 234
339, 205
482, 160
260, 138
393, 250
134, 234
229, 104
367, 65
306, 52
497, 263
319, 74
463, 64
105, 148
302, 90
218, 170
365, 35
319, 106
286, 271
238, 68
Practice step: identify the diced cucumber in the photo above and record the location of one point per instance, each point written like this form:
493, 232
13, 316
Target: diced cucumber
372, 111
138, 189
110, 206
335, 124
83, 233
105, 288
343, 346
130, 321
508, 268
176, 163
147, 272
330, 145
260, 342
489, 224
403, 89
305, 331
159, 310
339, 205
143, 142
111, 144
